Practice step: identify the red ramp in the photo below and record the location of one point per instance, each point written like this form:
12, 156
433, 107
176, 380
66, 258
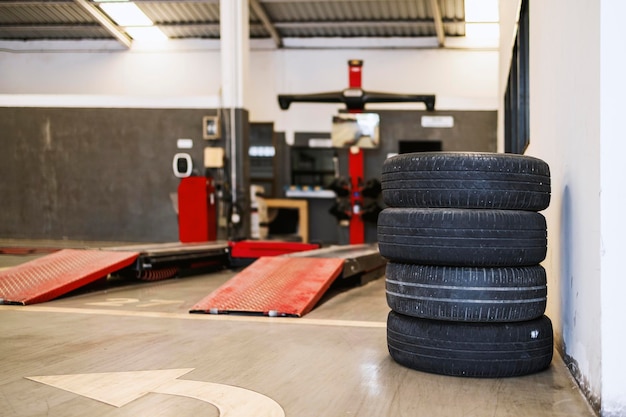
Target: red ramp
53, 275
274, 286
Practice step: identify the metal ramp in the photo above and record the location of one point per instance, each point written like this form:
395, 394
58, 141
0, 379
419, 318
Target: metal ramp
362, 263
53, 275
164, 260
291, 285
288, 285
56, 274
274, 286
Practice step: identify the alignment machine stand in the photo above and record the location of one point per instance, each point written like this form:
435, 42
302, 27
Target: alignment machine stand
355, 98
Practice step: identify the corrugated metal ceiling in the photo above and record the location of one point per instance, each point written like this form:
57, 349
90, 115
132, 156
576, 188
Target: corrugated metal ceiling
69, 19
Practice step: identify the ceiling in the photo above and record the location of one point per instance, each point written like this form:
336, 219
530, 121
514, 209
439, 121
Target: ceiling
277, 20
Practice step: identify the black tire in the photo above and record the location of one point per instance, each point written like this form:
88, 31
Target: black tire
460, 237
466, 180
465, 293
488, 350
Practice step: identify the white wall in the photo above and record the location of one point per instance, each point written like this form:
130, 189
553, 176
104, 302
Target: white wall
92, 68
612, 203
565, 130
576, 89
187, 70
509, 12
460, 79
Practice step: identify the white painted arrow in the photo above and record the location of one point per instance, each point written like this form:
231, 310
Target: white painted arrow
120, 388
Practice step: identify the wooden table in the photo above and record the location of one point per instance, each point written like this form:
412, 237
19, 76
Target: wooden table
303, 212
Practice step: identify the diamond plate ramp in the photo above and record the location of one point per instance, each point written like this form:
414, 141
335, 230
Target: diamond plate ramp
56, 274
274, 286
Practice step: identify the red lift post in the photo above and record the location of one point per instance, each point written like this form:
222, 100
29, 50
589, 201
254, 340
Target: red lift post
356, 169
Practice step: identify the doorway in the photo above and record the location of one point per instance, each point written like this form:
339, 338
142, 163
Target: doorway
409, 146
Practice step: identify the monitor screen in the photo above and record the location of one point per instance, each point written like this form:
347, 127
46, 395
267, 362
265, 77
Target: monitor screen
355, 129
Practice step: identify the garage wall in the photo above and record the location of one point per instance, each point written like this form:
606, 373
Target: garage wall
93, 174
184, 76
186, 70
575, 125
94, 68
567, 135
612, 202
473, 131
461, 80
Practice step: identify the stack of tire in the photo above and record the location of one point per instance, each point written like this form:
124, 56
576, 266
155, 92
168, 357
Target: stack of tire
464, 239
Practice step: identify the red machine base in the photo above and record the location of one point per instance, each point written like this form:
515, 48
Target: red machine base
259, 248
53, 275
274, 286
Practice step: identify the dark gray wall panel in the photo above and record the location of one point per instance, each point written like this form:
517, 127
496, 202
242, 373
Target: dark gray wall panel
105, 174
472, 131
92, 174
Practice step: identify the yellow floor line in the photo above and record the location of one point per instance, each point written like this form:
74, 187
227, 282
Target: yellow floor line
182, 316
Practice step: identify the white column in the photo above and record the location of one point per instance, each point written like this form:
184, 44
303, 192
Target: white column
234, 34
235, 50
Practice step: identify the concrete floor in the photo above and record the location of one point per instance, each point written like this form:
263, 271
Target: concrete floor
332, 362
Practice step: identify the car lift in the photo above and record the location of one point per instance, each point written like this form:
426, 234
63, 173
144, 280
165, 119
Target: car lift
266, 286
291, 284
58, 273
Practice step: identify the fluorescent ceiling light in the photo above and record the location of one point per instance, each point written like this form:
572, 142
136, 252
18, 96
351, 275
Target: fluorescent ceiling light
126, 14
146, 33
481, 11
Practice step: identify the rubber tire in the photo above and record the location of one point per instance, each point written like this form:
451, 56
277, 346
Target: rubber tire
460, 237
484, 350
466, 180
465, 293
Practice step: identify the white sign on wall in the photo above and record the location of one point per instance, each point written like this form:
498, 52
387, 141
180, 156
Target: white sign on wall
438, 121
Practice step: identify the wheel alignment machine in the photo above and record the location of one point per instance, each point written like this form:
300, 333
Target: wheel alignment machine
355, 98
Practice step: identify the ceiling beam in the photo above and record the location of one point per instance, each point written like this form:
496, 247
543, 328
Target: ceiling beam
103, 19
441, 34
317, 1
178, 1
48, 27
352, 23
260, 12
33, 3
